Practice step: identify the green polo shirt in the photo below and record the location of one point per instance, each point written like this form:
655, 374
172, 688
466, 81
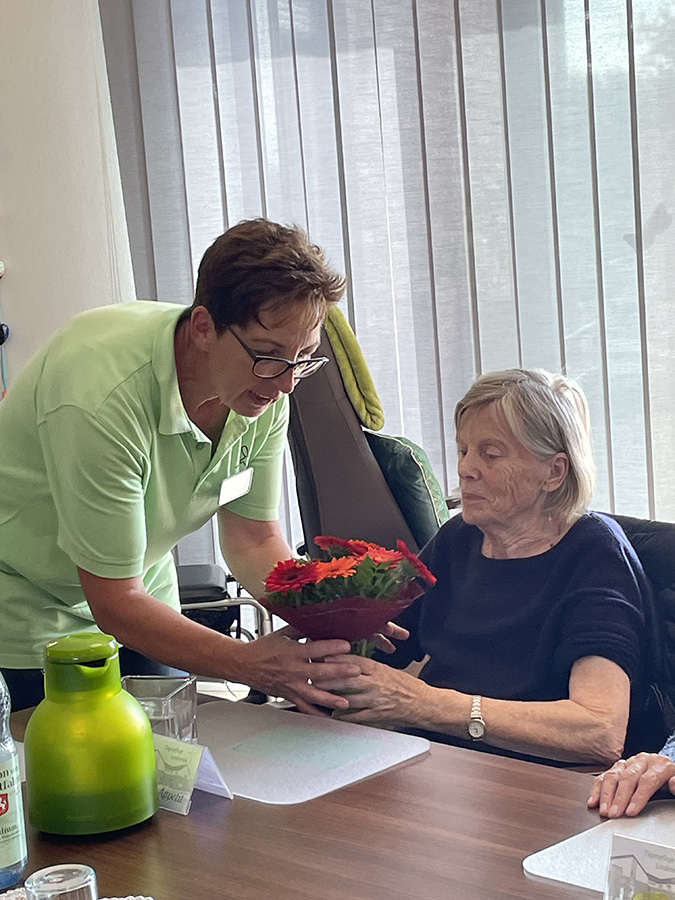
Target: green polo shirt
100, 467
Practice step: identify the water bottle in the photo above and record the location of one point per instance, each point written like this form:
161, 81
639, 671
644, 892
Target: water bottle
13, 852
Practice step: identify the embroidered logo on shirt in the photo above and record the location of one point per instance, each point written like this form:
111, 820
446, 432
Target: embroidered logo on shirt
243, 456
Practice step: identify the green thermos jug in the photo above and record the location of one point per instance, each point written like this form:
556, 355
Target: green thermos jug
90, 760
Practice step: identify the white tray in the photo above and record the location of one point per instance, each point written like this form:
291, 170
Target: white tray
277, 756
582, 860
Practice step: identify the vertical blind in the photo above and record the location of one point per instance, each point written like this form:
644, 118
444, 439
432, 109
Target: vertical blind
497, 180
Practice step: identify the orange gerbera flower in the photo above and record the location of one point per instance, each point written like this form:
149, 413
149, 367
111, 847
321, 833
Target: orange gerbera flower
290, 575
417, 563
380, 555
341, 567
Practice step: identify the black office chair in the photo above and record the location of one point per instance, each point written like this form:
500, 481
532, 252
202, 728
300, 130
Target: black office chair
654, 543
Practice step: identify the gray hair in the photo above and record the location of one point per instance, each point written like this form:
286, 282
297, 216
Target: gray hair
548, 414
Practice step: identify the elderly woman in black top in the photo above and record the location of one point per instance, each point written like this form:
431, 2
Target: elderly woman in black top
533, 638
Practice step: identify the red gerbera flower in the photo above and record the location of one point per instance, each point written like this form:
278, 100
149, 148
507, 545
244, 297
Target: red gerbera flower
341, 567
290, 575
417, 563
355, 548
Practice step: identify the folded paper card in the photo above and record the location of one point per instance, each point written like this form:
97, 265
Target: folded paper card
278, 756
182, 767
641, 870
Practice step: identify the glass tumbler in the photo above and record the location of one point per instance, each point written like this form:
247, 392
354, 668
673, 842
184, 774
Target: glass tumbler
169, 701
71, 881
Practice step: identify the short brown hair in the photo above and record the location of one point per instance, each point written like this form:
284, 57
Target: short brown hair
257, 263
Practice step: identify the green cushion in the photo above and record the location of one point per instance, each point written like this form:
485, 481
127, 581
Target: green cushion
412, 481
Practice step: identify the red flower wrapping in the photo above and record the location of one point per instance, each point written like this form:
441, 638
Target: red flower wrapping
347, 618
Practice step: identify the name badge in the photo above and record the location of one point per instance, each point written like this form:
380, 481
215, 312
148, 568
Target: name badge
235, 486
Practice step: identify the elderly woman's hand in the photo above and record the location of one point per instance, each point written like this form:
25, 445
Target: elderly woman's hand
380, 695
628, 785
390, 630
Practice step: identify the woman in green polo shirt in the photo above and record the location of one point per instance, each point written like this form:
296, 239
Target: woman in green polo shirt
117, 440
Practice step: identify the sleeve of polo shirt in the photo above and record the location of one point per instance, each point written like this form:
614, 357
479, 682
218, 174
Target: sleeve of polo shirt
604, 611
96, 477
267, 460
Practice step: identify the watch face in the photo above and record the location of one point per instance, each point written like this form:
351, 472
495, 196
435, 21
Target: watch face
476, 728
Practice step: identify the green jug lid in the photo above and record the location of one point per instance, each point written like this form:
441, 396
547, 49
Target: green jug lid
82, 647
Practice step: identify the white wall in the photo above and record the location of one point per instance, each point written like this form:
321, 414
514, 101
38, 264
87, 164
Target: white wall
63, 235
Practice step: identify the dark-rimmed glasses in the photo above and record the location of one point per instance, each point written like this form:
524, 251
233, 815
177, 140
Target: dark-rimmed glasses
274, 366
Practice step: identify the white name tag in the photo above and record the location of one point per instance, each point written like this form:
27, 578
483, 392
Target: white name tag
235, 486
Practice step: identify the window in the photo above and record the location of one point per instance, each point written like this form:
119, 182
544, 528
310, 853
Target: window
497, 179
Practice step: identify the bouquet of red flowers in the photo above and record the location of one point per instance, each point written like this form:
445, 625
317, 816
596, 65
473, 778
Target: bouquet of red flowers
350, 596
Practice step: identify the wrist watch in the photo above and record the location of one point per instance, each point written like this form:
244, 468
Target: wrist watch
476, 724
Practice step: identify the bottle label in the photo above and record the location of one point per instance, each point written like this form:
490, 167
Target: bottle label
12, 828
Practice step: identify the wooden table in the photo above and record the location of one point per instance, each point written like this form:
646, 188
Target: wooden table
451, 825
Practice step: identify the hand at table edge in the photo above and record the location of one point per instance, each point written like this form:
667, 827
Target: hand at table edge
626, 788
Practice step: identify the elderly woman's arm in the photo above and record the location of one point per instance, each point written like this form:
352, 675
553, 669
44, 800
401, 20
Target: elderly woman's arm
589, 727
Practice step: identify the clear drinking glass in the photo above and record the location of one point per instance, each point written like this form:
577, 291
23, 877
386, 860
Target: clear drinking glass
169, 701
71, 881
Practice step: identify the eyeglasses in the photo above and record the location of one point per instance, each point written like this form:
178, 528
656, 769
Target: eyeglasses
274, 366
